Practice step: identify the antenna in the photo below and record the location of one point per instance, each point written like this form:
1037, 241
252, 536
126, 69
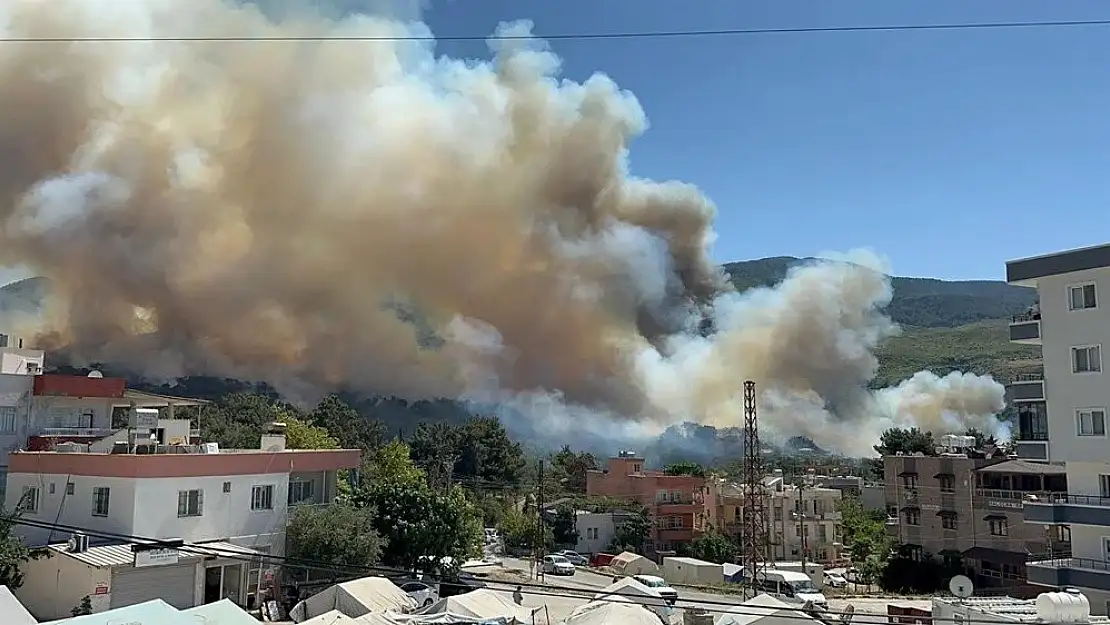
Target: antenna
961, 586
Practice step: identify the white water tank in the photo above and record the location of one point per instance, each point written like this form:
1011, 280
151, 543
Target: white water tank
1063, 607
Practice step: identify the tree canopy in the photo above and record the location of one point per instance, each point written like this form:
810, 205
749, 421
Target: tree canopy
338, 534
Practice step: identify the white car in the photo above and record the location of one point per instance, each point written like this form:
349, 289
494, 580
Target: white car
660, 585
557, 565
835, 580
424, 594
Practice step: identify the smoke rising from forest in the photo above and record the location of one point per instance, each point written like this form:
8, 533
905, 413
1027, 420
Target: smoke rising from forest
369, 216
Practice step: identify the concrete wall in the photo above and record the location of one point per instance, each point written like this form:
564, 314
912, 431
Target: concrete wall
53, 586
589, 523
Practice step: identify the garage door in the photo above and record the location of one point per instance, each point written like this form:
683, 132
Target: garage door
175, 584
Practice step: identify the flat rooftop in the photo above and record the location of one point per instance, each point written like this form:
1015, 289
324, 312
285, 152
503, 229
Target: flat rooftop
230, 462
1026, 271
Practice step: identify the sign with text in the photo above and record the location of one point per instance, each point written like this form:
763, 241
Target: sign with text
156, 557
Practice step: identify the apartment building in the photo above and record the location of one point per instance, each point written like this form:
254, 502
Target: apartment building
1062, 415
38, 409
231, 505
803, 519
676, 503
973, 509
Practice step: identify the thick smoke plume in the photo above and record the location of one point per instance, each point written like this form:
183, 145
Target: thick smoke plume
268, 210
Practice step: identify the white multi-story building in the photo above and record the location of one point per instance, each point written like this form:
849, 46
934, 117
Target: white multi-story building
38, 410
1062, 413
231, 504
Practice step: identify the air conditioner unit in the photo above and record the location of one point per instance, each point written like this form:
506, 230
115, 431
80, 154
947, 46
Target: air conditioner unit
77, 543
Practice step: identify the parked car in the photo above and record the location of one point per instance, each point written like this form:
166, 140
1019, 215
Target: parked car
854, 576
557, 565
670, 595
574, 557
424, 594
835, 580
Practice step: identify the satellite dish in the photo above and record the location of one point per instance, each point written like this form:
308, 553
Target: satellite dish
95, 374
961, 586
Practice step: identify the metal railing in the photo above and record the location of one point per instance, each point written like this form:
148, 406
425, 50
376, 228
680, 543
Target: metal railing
1020, 495
1028, 377
1031, 436
1071, 563
1076, 500
1026, 317
76, 432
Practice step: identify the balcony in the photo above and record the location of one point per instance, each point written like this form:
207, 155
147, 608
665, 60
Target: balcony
1069, 510
1026, 328
1062, 572
1001, 500
1027, 387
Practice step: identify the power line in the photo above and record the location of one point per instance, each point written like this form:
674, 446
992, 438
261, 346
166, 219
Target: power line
676, 34
544, 589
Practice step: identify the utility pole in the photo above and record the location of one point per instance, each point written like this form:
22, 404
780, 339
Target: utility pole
540, 534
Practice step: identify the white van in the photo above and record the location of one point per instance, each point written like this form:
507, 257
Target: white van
790, 586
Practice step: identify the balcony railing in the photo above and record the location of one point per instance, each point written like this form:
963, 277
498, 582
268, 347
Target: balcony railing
1026, 435
1028, 377
76, 432
1069, 563
1075, 500
1026, 317
1039, 496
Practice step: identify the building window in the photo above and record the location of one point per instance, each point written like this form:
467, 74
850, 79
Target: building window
7, 419
1104, 486
69, 488
999, 527
190, 503
1082, 297
100, 500
913, 517
1062, 533
822, 533
591, 533
948, 521
29, 502
909, 480
227, 487
301, 492
1091, 422
262, 497
637, 468
947, 483
1086, 359
1032, 422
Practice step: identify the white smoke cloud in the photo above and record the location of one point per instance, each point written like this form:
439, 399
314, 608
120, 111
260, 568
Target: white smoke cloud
248, 209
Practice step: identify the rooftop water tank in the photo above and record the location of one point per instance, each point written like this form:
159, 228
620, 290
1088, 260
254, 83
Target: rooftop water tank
1063, 607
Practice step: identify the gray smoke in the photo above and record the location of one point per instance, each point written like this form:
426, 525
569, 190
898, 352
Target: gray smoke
250, 209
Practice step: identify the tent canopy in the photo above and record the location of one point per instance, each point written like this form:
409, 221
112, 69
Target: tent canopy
628, 563
223, 612
764, 610
12, 611
610, 612
484, 604
354, 599
630, 590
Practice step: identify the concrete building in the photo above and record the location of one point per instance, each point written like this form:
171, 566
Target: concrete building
803, 521
676, 503
596, 530
41, 410
871, 495
973, 509
230, 505
1046, 608
1062, 415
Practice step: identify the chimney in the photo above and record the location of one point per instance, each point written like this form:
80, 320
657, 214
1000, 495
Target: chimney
273, 437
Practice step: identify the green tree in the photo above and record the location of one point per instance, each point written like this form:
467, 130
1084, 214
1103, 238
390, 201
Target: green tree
392, 463
712, 547
564, 526
82, 609
338, 534
486, 453
632, 533
520, 531
420, 523
351, 429
571, 468
907, 441
434, 448
236, 421
982, 439
864, 534
13, 553
300, 435
684, 468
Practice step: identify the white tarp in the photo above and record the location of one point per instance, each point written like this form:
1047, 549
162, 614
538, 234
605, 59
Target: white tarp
335, 617
765, 610
483, 604
633, 591
12, 611
354, 599
629, 563
223, 612
612, 613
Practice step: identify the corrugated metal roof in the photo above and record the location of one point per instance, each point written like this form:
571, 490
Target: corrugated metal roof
107, 556
224, 549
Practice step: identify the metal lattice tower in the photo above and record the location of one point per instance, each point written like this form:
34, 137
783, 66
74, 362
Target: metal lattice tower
754, 543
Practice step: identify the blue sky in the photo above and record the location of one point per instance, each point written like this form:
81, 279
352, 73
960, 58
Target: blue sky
947, 151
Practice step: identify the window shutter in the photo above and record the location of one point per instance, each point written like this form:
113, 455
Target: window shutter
200, 503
